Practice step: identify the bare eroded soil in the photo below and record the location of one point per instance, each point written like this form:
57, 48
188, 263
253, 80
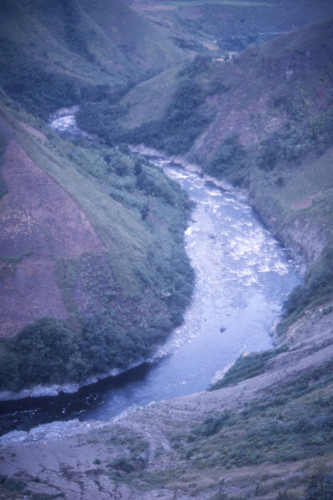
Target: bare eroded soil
40, 223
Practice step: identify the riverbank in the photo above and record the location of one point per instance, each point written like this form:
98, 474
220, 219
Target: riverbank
40, 391
242, 279
173, 448
67, 274
167, 450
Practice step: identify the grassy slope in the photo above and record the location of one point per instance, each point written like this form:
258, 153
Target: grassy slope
153, 94
88, 51
123, 289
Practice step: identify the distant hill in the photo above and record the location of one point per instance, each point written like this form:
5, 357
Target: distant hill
58, 53
231, 25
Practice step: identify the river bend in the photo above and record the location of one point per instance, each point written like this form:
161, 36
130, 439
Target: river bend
243, 276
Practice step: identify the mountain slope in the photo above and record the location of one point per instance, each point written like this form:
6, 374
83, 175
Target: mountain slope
262, 120
91, 250
58, 53
231, 25
265, 434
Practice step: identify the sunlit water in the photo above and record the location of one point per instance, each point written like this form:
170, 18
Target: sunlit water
243, 275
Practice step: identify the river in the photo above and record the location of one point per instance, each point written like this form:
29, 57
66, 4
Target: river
243, 276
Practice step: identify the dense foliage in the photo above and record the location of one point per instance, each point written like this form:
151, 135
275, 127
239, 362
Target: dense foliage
41, 90
47, 351
237, 43
228, 161
297, 139
175, 132
283, 425
317, 289
59, 53
181, 125
130, 310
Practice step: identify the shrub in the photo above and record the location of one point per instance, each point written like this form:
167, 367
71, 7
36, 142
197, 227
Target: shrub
228, 160
318, 288
211, 426
37, 354
122, 464
295, 140
320, 486
247, 367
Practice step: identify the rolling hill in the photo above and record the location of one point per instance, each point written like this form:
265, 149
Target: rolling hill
59, 53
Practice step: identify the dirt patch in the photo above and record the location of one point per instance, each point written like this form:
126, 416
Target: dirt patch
35, 201
40, 223
246, 120
306, 203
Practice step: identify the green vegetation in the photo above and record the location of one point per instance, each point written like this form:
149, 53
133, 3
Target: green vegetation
296, 140
49, 62
320, 485
11, 487
317, 289
133, 298
246, 367
41, 84
294, 421
41, 92
3, 146
182, 121
228, 161
181, 125
38, 354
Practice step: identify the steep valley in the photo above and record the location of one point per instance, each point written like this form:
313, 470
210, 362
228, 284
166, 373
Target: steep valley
94, 274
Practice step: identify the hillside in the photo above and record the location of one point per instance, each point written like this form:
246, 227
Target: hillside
265, 434
263, 120
230, 25
59, 53
93, 271
91, 245
88, 233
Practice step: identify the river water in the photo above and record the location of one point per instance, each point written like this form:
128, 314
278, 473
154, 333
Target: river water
243, 276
